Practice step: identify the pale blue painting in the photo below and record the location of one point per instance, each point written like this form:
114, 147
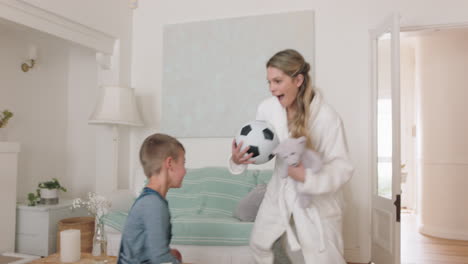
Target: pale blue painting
214, 71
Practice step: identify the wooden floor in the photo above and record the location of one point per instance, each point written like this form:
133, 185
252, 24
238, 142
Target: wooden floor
420, 249
6, 259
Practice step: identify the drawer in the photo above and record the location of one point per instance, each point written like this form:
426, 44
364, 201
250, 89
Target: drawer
32, 223
31, 244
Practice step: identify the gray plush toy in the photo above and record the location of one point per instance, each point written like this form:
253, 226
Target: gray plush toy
293, 151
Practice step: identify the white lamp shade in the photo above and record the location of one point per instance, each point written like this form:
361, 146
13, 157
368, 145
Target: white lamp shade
116, 105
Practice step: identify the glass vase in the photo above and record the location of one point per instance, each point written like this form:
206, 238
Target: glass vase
99, 239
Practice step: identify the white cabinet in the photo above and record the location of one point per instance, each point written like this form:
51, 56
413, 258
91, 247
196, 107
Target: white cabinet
8, 174
36, 226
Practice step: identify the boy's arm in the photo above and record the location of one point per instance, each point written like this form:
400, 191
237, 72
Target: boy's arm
157, 231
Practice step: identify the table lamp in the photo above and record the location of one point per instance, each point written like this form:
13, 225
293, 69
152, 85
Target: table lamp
116, 106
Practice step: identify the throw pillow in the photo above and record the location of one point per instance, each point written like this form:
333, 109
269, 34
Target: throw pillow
248, 206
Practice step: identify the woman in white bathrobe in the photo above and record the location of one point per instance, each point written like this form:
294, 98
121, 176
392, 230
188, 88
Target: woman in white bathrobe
312, 232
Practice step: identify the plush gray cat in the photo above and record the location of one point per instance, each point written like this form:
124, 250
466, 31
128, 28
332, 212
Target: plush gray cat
293, 151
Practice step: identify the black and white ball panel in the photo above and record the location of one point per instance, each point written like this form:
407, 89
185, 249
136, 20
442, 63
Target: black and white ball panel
261, 139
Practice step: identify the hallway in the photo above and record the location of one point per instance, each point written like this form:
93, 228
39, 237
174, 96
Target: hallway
419, 249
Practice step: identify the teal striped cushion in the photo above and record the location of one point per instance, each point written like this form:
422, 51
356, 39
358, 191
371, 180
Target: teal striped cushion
210, 191
197, 229
264, 176
115, 219
210, 231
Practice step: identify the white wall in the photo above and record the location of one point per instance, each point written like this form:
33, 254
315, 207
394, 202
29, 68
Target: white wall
51, 105
38, 101
408, 122
81, 137
112, 18
342, 73
441, 63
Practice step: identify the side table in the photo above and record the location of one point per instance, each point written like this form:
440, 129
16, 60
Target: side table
36, 226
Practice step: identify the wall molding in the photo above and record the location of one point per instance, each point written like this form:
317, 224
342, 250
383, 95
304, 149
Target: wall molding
40, 19
409, 28
443, 162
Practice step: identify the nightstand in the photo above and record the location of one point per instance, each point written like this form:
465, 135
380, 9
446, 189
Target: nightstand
36, 226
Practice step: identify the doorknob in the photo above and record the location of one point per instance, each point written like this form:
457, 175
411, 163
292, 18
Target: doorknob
397, 204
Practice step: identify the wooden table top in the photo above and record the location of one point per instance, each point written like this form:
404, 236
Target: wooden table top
86, 258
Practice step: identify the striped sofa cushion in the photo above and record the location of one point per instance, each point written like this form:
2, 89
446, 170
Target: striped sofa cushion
206, 230
210, 191
264, 176
115, 219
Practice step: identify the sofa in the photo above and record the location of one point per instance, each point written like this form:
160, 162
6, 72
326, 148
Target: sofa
206, 215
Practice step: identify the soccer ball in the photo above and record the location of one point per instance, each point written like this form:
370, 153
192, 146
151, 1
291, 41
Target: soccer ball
261, 138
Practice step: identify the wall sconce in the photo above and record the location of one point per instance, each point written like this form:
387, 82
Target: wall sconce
31, 59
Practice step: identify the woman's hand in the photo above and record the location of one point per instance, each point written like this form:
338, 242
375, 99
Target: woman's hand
297, 172
238, 155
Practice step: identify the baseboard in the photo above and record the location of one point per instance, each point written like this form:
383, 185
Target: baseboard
442, 233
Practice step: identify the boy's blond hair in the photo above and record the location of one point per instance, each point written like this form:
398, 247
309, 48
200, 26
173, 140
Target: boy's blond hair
155, 149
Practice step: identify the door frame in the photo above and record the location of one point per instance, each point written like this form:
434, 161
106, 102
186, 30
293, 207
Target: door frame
376, 201
403, 28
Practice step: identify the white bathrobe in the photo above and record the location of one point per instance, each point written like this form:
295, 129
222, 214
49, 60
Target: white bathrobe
315, 230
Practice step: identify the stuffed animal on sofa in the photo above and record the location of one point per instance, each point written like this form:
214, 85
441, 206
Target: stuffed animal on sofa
293, 151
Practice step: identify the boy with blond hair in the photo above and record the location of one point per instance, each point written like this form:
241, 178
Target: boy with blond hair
147, 232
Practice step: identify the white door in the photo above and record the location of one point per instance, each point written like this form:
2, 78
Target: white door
386, 190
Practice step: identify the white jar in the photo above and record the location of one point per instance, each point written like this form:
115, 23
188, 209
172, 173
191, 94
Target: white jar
49, 193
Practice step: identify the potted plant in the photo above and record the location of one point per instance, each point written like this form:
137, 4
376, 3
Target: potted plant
49, 191
34, 198
4, 117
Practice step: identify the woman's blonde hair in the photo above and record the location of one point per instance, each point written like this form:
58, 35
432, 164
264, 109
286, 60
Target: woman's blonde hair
155, 149
293, 64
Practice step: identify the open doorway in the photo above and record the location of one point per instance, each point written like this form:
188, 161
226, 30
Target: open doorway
434, 145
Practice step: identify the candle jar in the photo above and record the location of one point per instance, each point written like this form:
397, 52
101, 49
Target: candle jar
70, 241
99, 239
